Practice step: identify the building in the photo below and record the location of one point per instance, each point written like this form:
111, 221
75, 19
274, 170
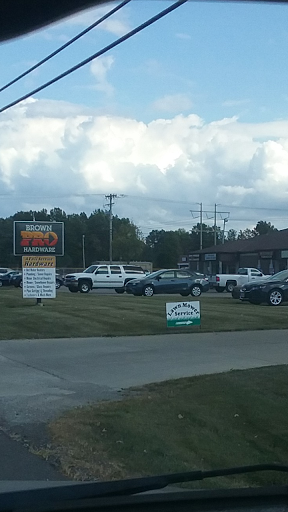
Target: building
267, 252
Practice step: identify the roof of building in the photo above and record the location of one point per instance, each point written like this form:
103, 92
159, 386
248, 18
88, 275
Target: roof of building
277, 240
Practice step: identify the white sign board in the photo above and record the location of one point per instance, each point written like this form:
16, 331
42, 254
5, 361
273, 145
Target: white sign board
181, 314
39, 277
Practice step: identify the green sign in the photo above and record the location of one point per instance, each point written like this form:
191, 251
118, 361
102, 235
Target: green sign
180, 314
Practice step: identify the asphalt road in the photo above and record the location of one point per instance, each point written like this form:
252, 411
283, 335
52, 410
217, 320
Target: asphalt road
41, 378
17, 463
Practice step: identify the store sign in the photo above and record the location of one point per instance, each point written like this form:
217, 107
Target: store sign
35, 238
210, 257
39, 277
266, 255
194, 257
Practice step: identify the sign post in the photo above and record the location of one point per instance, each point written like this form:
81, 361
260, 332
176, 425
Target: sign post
182, 314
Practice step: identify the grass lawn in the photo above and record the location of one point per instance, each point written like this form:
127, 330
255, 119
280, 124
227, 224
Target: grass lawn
206, 422
76, 315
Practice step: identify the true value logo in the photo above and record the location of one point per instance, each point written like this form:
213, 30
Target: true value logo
183, 313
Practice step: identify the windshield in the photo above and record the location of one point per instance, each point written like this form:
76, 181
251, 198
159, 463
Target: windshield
153, 275
90, 269
280, 276
156, 143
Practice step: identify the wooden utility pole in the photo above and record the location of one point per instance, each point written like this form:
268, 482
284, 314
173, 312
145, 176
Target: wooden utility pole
110, 198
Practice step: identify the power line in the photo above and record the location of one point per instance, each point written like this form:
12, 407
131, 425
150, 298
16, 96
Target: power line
156, 199
255, 208
98, 54
68, 43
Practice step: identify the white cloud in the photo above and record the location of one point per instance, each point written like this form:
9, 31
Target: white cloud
57, 154
235, 103
99, 69
181, 35
173, 103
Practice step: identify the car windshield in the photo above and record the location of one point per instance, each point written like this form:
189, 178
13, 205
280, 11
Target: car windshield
153, 275
280, 276
90, 269
153, 142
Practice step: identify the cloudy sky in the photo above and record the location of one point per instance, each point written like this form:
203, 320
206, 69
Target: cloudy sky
193, 109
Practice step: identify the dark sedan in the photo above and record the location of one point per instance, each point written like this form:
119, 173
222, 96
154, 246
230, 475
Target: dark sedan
273, 290
7, 278
169, 281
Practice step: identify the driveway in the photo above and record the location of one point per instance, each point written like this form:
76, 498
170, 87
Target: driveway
39, 379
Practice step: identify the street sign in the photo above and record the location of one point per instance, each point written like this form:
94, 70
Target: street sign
38, 237
181, 314
39, 277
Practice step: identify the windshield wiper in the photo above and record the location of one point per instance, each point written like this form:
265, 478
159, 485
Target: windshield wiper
82, 491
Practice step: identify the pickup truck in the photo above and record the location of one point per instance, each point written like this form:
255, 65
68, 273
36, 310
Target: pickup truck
228, 282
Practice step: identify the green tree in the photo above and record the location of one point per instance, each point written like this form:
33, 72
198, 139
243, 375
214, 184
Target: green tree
128, 244
231, 235
245, 234
263, 228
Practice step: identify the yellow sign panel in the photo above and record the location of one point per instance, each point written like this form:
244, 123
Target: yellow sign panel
39, 261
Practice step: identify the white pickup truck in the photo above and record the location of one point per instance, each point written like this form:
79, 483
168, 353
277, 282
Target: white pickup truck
228, 282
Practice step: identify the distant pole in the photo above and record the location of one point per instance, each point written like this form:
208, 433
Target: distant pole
110, 198
201, 226
110, 229
215, 224
83, 251
223, 234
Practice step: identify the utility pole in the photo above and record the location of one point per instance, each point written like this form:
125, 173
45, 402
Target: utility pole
210, 214
83, 251
223, 234
110, 198
215, 224
201, 226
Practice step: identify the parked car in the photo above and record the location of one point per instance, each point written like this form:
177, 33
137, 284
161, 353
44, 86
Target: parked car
17, 281
273, 290
103, 276
184, 282
7, 278
5, 270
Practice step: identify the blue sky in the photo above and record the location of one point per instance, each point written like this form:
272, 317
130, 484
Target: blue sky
209, 60
215, 54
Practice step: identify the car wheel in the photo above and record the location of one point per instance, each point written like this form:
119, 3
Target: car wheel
230, 287
148, 290
275, 298
196, 290
84, 287
58, 284
1, 284
184, 294
73, 290
220, 289
21, 284
119, 290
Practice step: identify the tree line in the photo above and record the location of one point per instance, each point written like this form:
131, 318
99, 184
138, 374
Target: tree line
163, 248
